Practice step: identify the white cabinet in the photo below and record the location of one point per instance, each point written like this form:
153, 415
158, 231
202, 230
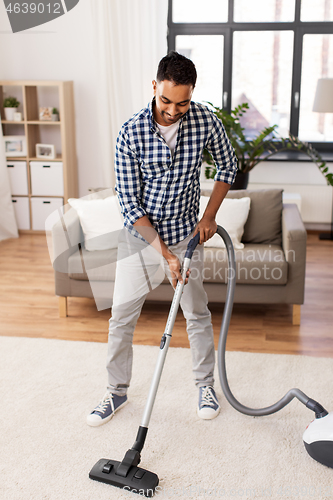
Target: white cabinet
40, 185
18, 177
46, 178
41, 208
22, 212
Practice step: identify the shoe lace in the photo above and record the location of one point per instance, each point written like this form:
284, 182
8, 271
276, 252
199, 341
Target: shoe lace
207, 397
103, 405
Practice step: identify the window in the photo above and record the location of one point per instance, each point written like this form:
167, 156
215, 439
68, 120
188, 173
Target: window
317, 60
191, 11
263, 11
267, 53
262, 72
321, 10
199, 48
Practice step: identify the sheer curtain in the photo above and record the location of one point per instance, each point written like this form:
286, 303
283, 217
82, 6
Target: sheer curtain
8, 226
130, 39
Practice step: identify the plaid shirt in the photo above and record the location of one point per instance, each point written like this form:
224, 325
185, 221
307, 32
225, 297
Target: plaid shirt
149, 181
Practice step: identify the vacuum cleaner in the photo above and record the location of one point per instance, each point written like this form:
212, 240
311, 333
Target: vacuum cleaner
317, 438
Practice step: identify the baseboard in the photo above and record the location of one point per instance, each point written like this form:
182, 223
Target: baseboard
314, 226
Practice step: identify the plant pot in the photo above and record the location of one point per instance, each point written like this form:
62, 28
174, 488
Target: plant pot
54, 117
241, 181
9, 113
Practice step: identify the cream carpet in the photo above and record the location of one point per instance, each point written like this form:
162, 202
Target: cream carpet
47, 450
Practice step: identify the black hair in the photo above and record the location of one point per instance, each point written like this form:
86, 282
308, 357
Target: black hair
178, 69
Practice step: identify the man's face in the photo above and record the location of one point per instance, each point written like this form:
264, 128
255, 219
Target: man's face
172, 101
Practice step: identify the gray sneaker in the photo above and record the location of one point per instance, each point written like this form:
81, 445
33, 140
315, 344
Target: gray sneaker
105, 410
208, 407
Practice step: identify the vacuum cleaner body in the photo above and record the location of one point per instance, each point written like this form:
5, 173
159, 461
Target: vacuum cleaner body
318, 440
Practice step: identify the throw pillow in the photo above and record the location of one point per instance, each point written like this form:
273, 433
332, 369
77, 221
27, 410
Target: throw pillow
232, 216
264, 222
101, 221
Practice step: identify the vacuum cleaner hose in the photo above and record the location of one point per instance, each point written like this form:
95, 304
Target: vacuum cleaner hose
256, 412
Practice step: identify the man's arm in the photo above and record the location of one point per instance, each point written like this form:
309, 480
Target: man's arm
128, 188
225, 161
128, 180
207, 225
147, 231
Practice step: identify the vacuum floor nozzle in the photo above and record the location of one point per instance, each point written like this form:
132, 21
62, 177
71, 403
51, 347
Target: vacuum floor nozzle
138, 480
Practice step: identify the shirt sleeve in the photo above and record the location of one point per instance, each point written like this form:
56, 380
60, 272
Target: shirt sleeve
128, 180
222, 152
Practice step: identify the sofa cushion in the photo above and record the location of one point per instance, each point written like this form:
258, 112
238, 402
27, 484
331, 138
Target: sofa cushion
264, 223
99, 265
255, 264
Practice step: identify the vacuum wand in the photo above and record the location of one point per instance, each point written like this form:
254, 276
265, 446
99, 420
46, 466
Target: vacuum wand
165, 341
126, 474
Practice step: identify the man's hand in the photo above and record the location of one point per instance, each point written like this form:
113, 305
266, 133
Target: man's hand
175, 269
145, 228
207, 225
207, 228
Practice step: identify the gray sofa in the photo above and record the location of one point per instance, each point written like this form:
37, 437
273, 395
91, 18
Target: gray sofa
270, 267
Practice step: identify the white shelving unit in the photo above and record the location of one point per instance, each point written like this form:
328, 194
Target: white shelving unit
40, 186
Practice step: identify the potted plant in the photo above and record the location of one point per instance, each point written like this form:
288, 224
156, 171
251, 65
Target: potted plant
263, 146
55, 115
10, 105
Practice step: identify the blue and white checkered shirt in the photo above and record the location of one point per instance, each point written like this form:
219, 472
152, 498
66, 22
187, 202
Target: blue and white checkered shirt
149, 181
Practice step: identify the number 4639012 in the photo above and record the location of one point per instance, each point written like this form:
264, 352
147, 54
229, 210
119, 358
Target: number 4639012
33, 8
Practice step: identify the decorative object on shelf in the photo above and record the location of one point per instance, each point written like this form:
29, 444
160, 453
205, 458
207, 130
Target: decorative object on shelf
10, 105
45, 114
260, 148
17, 117
55, 115
45, 151
15, 145
323, 103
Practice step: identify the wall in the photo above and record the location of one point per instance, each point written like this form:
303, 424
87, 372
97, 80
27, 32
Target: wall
60, 50
304, 179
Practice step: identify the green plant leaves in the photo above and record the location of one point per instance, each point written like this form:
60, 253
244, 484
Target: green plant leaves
262, 147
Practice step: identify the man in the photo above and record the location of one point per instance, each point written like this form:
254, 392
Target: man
158, 163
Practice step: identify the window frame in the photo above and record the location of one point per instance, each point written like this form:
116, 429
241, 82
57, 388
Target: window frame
227, 29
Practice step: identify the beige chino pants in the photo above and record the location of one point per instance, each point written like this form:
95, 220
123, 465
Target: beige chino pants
140, 268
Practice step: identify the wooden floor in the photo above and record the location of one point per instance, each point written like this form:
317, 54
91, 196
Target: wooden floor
29, 308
